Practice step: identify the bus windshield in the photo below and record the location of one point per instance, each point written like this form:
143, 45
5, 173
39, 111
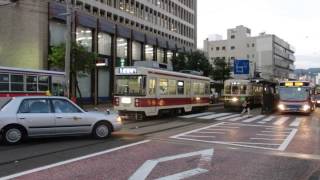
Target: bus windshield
130, 85
294, 93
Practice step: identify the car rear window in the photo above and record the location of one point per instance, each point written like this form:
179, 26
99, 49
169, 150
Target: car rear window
4, 102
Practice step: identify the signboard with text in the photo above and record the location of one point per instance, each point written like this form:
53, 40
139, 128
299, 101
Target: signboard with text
241, 67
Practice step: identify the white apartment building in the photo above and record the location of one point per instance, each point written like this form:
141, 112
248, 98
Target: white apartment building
267, 53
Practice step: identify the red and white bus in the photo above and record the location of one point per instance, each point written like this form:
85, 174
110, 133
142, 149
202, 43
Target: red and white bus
28, 82
142, 91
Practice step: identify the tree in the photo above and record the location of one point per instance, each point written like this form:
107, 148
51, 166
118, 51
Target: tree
195, 61
83, 62
221, 70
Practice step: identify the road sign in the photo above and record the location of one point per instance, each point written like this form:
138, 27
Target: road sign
241, 66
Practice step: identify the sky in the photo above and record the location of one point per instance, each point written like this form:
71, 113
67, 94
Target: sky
295, 21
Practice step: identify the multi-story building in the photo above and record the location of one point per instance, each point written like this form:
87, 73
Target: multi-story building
268, 54
120, 31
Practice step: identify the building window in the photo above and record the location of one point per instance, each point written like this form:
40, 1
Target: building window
148, 52
223, 48
233, 36
169, 56
248, 45
136, 51
57, 32
104, 44
122, 52
253, 45
217, 48
232, 47
84, 37
160, 55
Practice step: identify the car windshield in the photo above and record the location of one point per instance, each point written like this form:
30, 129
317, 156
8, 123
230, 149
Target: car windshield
4, 102
294, 93
131, 85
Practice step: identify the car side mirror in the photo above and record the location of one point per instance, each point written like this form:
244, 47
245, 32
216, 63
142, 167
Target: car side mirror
108, 111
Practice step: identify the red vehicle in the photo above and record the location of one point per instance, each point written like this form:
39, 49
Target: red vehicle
28, 82
142, 91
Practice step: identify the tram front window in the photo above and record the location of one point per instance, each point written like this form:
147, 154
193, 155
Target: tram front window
130, 86
294, 93
235, 89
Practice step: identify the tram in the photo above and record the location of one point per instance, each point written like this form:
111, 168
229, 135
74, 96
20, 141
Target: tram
29, 82
143, 91
296, 96
238, 90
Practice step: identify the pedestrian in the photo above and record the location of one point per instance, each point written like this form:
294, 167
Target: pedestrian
246, 107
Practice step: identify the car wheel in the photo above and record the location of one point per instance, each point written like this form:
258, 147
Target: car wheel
13, 135
102, 130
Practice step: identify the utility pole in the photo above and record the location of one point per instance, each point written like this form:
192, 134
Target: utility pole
68, 47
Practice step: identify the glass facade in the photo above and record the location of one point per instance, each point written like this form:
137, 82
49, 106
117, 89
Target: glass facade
122, 52
136, 51
160, 55
104, 44
84, 37
57, 33
148, 52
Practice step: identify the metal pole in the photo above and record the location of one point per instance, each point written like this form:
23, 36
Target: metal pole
68, 47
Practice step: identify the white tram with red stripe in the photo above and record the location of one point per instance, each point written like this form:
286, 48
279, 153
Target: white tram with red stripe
142, 91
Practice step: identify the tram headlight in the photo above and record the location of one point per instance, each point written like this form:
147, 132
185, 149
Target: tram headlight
281, 107
306, 107
235, 99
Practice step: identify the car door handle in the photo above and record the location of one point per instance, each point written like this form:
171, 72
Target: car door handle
59, 117
22, 118
76, 118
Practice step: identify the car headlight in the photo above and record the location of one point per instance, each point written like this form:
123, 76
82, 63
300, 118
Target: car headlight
306, 107
119, 119
281, 107
235, 99
318, 101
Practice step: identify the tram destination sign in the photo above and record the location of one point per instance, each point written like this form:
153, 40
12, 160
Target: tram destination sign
127, 70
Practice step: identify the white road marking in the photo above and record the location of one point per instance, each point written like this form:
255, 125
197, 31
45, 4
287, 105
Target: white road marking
273, 135
184, 175
276, 132
286, 142
281, 121
296, 122
238, 118
199, 136
195, 130
149, 165
227, 127
253, 118
71, 160
196, 115
228, 117
267, 119
208, 132
267, 139
214, 116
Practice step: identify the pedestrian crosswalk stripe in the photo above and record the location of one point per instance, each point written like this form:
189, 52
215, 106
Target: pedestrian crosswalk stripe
228, 117
196, 115
253, 118
214, 116
238, 118
281, 121
296, 122
267, 119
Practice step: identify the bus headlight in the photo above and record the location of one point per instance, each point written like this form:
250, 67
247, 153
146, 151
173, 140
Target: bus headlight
235, 99
281, 107
306, 107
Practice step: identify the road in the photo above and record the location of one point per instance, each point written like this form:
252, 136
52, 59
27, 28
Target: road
212, 145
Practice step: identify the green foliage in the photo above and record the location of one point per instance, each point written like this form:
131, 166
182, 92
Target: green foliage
221, 70
195, 61
82, 60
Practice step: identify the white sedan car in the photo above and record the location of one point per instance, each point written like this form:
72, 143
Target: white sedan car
39, 116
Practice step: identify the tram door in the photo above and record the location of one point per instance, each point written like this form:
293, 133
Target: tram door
152, 94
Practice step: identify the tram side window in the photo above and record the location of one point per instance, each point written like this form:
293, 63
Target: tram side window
163, 85
187, 87
195, 88
201, 88
207, 88
43, 83
31, 83
172, 87
4, 82
243, 89
17, 82
152, 86
180, 85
